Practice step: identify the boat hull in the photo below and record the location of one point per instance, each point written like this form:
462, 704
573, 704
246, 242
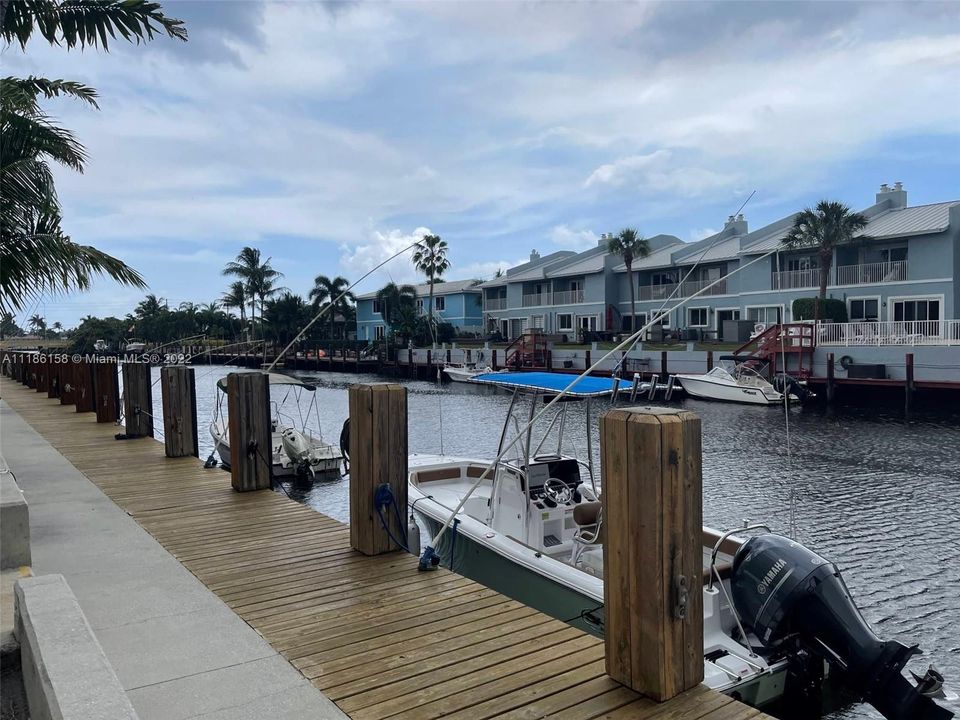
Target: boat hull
488, 567
708, 389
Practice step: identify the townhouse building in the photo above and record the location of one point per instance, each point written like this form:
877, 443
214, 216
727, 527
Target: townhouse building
457, 302
902, 267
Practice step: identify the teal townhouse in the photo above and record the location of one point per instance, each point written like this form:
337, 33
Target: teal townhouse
901, 269
457, 302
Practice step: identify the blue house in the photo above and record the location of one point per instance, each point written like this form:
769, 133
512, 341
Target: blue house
902, 269
458, 302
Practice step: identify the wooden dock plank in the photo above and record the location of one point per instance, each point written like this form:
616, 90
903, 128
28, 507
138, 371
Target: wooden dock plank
382, 640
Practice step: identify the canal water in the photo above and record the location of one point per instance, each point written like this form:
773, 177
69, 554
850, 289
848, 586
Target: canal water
877, 495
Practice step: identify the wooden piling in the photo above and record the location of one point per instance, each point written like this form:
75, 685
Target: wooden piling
908, 386
106, 386
137, 399
709, 360
653, 558
663, 365
251, 445
178, 390
378, 455
83, 377
831, 386
68, 391
53, 376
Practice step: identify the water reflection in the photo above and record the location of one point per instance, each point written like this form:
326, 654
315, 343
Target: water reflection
877, 495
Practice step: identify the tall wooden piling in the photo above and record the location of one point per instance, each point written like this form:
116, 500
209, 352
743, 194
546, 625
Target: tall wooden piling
378, 455
42, 371
251, 445
68, 392
53, 376
709, 360
653, 557
664, 373
106, 392
137, 399
908, 387
83, 378
178, 390
831, 386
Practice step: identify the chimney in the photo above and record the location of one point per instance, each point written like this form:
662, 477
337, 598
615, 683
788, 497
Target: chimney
894, 198
534, 256
735, 225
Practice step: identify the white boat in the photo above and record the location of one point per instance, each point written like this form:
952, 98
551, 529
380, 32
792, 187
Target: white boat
733, 381
533, 529
295, 451
464, 373
134, 346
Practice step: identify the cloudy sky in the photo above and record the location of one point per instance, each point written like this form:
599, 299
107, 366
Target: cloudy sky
328, 135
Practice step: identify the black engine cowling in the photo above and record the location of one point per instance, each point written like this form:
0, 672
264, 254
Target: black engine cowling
782, 590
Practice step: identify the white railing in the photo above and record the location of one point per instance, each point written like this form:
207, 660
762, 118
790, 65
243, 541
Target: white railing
536, 300
792, 279
871, 273
495, 303
567, 297
905, 332
662, 292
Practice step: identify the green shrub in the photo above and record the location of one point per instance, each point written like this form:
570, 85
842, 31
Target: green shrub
831, 310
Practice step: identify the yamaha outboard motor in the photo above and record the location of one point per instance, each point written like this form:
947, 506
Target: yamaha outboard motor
784, 592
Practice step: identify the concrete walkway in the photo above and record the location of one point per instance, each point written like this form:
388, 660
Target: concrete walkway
178, 650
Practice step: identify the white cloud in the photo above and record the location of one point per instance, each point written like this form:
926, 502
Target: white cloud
571, 239
485, 270
701, 233
360, 259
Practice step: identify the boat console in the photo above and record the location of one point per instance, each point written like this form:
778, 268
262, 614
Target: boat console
552, 482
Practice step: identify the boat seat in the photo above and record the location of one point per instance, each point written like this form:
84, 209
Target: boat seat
586, 514
475, 471
425, 476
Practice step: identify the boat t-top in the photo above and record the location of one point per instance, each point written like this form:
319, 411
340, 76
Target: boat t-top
296, 451
534, 529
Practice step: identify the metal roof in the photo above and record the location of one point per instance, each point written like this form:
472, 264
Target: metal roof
900, 222
591, 261
440, 288
918, 220
658, 258
728, 249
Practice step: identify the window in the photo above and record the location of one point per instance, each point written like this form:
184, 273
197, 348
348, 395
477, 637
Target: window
625, 321
420, 305
697, 317
725, 315
864, 309
564, 322
378, 332
377, 309
536, 322
439, 304
662, 279
909, 310
769, 315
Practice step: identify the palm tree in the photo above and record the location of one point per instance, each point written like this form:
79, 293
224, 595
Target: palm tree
236, 297
37, 324
327, 290
258, 277
823, 228
57, 327
36, 256
430, 258
630, 245
395, 300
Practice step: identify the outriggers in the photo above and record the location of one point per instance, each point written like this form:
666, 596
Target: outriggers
533, 528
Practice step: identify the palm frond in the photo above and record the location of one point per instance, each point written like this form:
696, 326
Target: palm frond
88, 23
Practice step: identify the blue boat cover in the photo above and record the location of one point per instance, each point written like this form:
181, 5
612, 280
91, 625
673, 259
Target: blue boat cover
548, 382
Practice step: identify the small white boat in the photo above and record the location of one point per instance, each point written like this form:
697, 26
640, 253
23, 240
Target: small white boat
295, 451
464, 373
732, 381
101, 346
134, 346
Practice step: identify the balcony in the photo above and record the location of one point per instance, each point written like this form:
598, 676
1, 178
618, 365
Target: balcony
795, 279
495, 303
565, 297
686, 289
871, 273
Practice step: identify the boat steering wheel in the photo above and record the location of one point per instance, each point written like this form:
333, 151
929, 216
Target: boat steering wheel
557, 490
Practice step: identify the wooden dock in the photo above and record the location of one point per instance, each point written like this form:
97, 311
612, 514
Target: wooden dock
377, 637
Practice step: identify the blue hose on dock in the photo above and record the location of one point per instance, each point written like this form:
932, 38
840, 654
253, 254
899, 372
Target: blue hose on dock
383, 499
